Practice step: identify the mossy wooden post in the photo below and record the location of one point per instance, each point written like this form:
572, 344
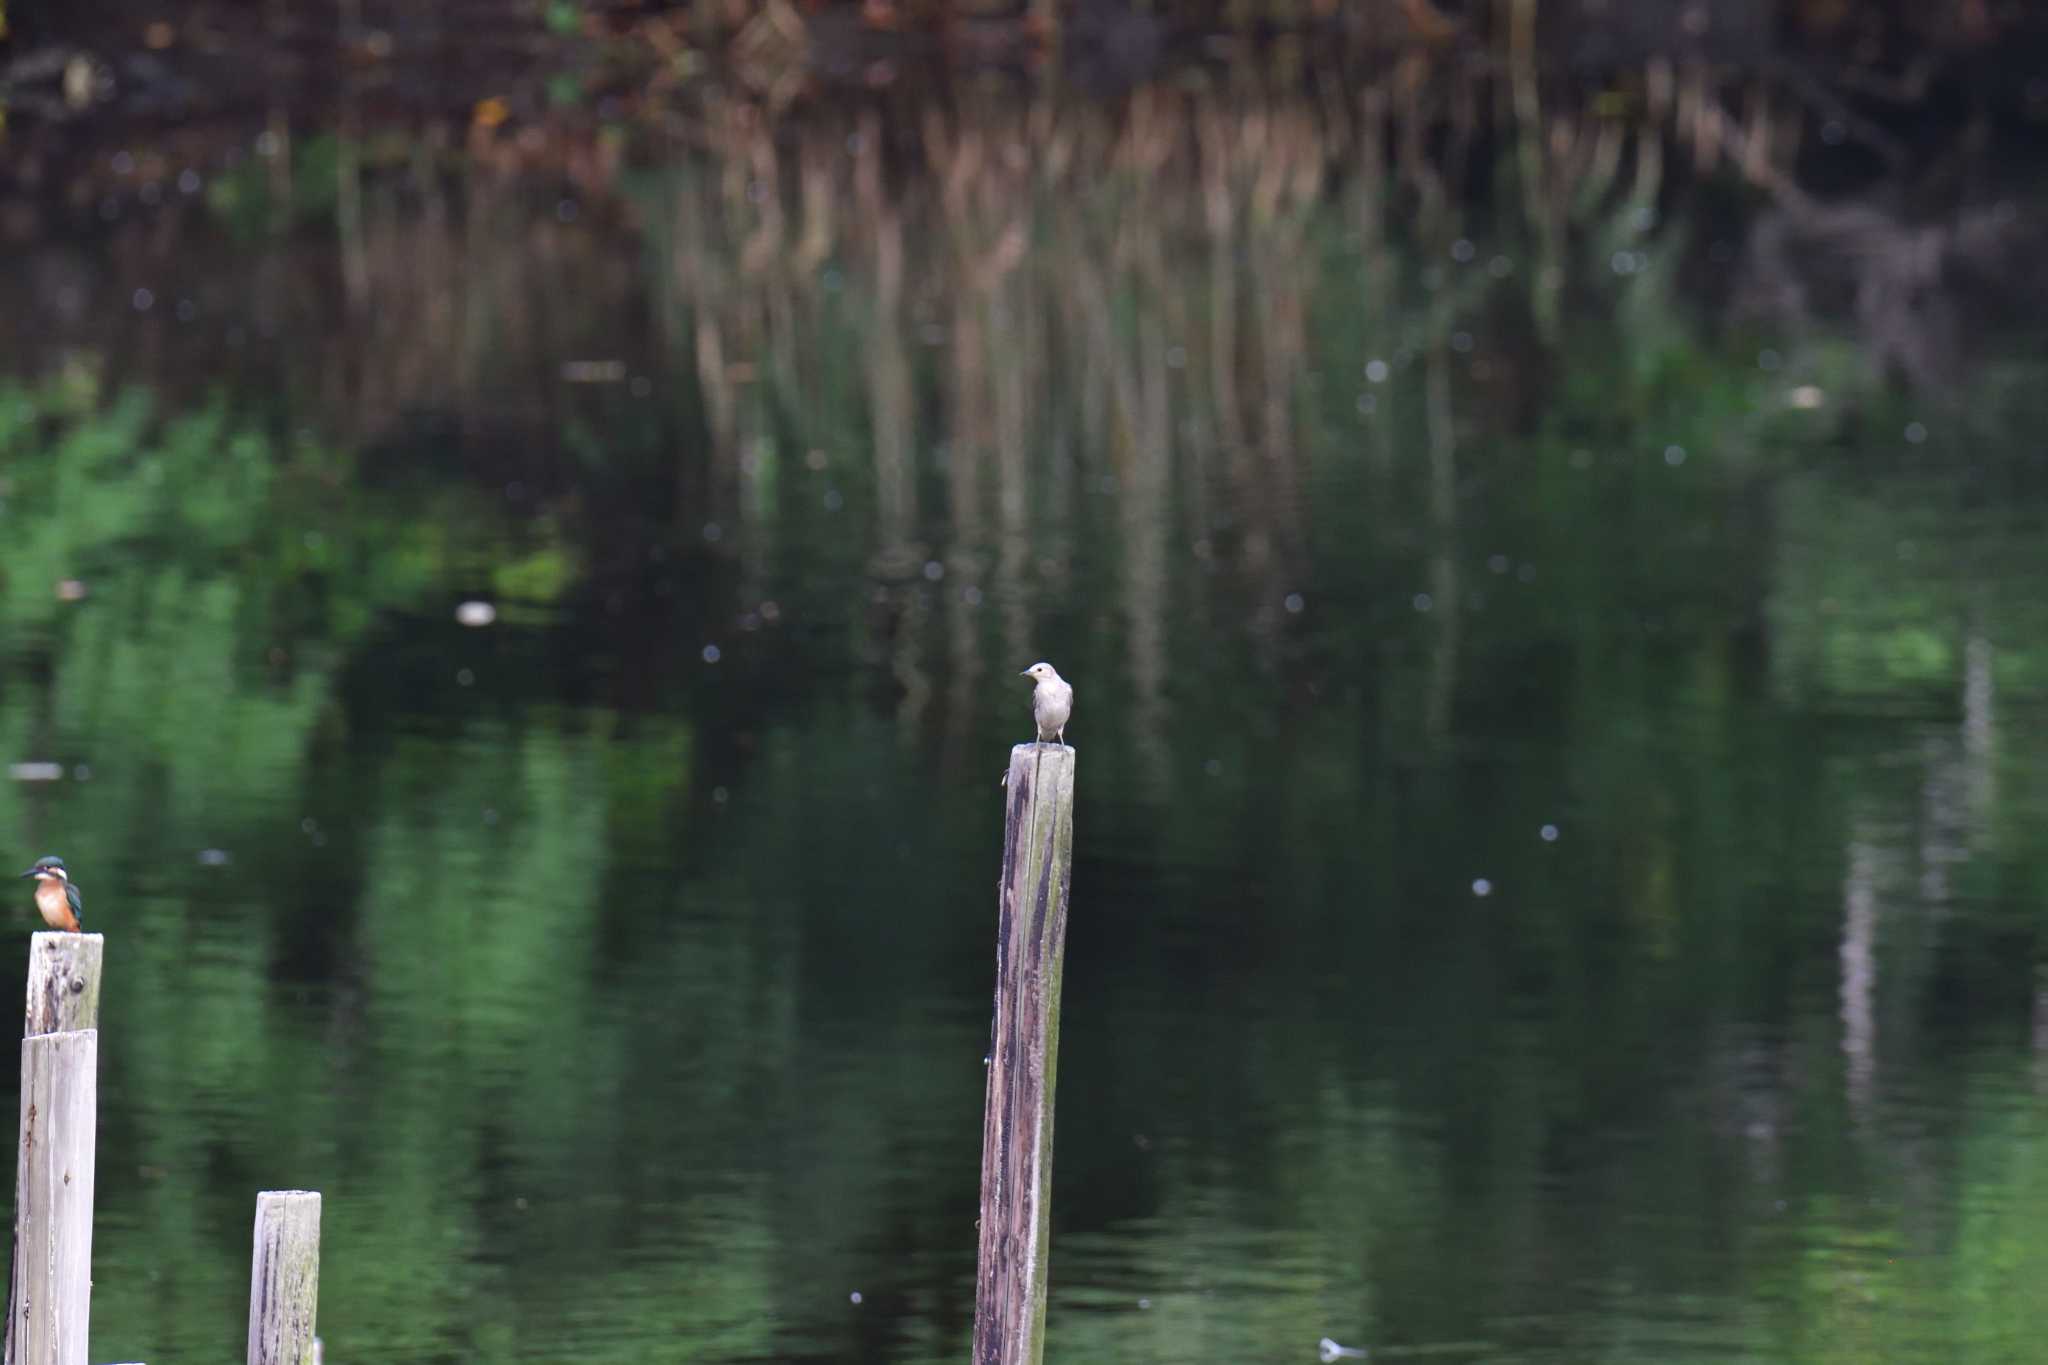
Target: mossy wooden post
284, 1278
1016, 1132
49, 1290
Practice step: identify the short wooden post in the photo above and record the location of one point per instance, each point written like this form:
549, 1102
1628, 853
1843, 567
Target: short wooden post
284, 1278
49, 1290
1016, 1131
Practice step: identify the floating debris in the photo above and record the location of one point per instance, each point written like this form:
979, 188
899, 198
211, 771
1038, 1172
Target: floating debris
35, 772
476, 613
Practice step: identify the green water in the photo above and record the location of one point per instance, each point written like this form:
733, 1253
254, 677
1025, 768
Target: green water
1559, 869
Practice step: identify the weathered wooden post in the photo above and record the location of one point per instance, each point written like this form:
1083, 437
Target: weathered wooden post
63, 983
284, 1278
49, 1292
1016, 1129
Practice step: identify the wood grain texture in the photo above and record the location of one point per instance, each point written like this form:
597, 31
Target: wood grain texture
1016, 1136
284, 1278
63, 983
50, 1289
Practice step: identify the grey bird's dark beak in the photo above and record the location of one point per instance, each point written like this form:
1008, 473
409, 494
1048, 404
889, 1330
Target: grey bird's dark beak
30, 873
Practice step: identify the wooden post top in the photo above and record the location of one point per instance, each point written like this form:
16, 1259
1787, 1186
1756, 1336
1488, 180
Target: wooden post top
63, 983
284, 1278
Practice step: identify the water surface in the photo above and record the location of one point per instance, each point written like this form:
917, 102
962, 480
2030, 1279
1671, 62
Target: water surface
1558, 729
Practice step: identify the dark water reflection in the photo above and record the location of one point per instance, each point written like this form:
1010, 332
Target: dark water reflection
1559, 768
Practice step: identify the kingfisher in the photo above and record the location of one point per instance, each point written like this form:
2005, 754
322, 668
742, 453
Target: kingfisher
56, 894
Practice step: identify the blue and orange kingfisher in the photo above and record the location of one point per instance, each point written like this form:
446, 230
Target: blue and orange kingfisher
56, 895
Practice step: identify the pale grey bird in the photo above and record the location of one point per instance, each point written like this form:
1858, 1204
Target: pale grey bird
1052, 702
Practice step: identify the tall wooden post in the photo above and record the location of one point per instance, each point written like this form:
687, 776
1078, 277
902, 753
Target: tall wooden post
49, 1292
1016, 1132
284, 1278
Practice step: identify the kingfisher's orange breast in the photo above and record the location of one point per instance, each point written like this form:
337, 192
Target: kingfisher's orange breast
56, 908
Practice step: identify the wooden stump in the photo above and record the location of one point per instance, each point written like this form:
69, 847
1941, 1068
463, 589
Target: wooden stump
284, 1278
1016, 1134
49, 1288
